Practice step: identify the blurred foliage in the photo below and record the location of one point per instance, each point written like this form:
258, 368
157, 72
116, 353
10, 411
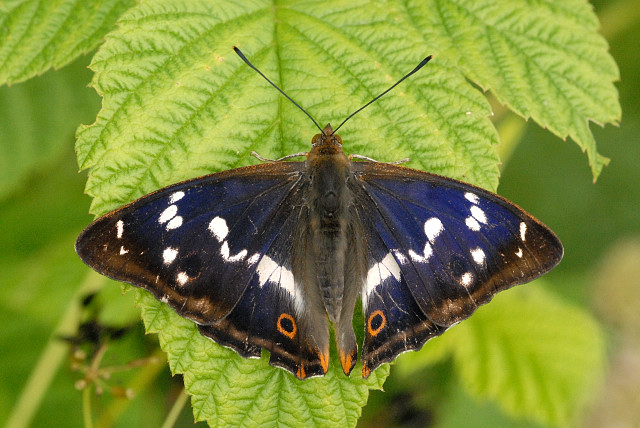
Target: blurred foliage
43, 283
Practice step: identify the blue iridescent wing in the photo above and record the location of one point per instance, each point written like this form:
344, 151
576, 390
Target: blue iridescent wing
218, 250
438, 248
394, 322
276, 311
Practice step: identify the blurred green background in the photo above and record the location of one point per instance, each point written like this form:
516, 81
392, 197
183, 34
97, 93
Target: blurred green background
43, 208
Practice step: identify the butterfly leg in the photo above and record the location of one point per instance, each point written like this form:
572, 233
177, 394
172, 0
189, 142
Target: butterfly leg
294, 155
398, 162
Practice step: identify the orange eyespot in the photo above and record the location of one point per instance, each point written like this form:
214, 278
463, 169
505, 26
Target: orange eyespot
376, 322
287, 325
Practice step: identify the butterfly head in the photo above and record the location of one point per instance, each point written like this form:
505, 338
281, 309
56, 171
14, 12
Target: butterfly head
327, 142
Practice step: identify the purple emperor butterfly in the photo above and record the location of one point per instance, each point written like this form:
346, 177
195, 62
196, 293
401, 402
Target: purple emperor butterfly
267, 256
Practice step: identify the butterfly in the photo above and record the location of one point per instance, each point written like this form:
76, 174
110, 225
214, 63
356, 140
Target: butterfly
270, 255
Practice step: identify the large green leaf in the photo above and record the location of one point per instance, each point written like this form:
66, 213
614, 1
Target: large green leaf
544, 361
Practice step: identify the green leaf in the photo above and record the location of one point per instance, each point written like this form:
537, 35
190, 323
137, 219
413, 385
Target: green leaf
543, 362
462, 410
534, 355
545, 60
38, 35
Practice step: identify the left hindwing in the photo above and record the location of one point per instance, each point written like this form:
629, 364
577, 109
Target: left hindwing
438, 248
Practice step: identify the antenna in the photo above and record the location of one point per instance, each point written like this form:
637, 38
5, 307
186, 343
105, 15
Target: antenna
244, 58
418, 67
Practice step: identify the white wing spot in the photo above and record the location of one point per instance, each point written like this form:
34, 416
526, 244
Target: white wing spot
123, 251
400, 257
168, 214
416, 257
472, 197
266, 267
176, 197
422, 258
119, 229
472, 224
253, 259
174, 223
478, 255
432, 228
182, 278
287, 282
218, 226
519, 252
390, 263
169, 255
224, 252
269, 271
466, 279
523, 230
380, 271
478, 214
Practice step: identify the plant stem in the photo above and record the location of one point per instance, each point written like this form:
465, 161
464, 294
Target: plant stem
51, 358
172, 417
86, 406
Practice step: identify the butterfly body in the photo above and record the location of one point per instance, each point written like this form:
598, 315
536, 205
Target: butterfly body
267, 256
332, 244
